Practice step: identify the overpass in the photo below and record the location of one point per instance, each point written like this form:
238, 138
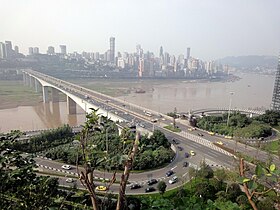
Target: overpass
122, 111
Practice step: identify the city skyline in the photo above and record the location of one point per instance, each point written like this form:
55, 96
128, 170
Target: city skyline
212, 29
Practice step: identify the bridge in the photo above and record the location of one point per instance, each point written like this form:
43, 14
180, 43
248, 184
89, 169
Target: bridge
122, 111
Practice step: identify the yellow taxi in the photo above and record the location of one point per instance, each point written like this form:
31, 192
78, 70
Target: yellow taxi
101, 188
192, 153
211, 133
220, 143
190, 129
228, 137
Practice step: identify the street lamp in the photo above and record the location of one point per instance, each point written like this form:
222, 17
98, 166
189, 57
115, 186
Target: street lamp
230, 100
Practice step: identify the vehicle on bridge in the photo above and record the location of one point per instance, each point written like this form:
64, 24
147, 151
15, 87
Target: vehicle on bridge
66, 167
150, 189
211, 133
152, 181
169, 173
135, 186
173, 180
228, 137
101, 188
192, 153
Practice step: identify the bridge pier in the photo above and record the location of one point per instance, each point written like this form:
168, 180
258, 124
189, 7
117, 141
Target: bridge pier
32, 80
71, 106
55, 96
45, 94
37, 86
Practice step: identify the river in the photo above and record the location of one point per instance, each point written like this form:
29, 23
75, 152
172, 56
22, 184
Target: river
251, 91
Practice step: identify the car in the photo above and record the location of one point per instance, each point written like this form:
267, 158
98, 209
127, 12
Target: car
141, 125
169, 173
190, 129
135, 186
192, 153
185, 164
187, 155
150, 189
180, 148
69, 180
101, 188
200, 134
173, 180
66, 167
220, 143
152, 181
175, 141
211, 133
228, 137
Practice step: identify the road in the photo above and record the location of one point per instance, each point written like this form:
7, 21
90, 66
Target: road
142, 117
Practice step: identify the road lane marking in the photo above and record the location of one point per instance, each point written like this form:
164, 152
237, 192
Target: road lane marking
185, 174
173, 168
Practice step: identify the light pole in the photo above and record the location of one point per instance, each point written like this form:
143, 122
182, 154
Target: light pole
230, 100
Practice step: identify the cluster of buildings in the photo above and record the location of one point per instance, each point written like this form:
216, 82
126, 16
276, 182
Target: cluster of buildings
143, 64
7, 51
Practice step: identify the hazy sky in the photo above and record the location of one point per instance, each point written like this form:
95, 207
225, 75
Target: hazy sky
212, 28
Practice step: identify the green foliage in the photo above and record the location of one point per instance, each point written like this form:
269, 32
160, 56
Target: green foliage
270, 117
45, 140
238, 125
20, 187
161, 187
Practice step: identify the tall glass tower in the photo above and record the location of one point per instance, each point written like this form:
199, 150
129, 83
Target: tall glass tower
112, 50
276, 92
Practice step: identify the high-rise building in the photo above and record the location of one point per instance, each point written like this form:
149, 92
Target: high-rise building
9, 48
30, 51
3, 52
63, 49
112, 50
276, 92
50, 50
141, 67
16, 50
36, 50
188, 53
161, 51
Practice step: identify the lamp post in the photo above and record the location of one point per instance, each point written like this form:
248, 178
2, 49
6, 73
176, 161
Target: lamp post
230, 100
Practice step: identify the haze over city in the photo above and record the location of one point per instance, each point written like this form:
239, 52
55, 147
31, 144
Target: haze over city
213, 29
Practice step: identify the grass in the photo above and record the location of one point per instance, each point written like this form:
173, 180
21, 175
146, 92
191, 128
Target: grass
272, 147
171, 128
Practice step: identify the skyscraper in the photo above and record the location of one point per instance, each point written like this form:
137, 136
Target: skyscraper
16, 50
30, 51
3, 52
276, 92
112, 50
188, 53
161, 51
9, 48
63, 49
36, 50
50, 50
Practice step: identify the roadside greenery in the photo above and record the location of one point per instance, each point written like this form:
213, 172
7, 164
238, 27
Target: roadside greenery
46, 140
238, 125
154, 151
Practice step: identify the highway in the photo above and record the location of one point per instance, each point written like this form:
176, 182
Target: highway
142, 117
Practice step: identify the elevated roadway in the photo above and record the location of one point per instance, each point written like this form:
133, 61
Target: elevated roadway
145, 119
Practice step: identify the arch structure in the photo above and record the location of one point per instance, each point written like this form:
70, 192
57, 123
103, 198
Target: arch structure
73, 98
224, 110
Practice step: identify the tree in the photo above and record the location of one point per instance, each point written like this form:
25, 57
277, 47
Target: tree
161, 187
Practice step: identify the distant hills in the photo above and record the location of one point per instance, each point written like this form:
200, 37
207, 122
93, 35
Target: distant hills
250, 61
